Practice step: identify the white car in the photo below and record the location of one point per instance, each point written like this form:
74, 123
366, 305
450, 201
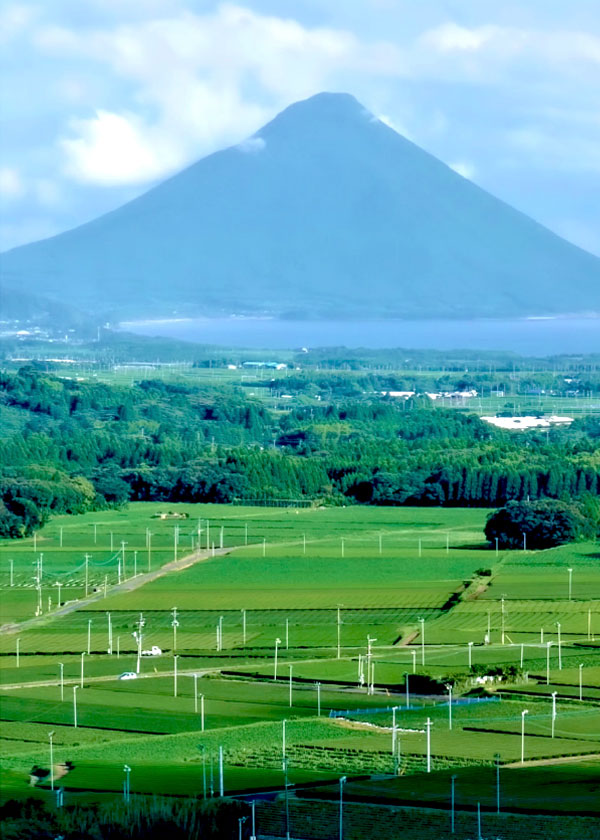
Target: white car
128, 675
154, 651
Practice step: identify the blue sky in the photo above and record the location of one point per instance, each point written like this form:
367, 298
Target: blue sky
103, 98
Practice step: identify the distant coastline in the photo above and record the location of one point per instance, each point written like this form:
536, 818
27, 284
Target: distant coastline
532, 336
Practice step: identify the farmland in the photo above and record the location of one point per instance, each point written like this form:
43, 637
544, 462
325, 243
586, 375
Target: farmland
287, 638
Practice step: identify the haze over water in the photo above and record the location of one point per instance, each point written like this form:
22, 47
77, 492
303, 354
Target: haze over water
539, 337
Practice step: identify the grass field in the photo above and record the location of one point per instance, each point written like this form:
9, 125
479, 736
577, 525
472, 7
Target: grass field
341, 597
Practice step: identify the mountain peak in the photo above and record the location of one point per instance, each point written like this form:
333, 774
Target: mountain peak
336, 215
339, 110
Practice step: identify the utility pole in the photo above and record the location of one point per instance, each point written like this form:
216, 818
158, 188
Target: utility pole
244, 628
277, 643
174, 625
339, 633
428, 723
110, 639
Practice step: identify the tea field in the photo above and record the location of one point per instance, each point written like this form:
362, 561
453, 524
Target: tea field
298, 645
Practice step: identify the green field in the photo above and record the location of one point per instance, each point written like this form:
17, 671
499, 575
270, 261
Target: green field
321, 582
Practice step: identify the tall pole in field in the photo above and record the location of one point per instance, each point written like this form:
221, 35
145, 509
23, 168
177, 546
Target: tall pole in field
523, 713
244, 628
139, 637
221, 537
277, 643
220, 632
394, 731
470, 645
62, 680
135, 564
339, 632
207, 535
554, 693
447, 542
428, 730
89, 637
175, 675
123, 544
174, 625
497, 757
291, 686
126, 783
18, 646
422, 623
202, 712
581, 680
112, 545
570, 571
264, 546
75, 687
318, 686
50, 736
341, 832
548, 645
502, 618
110, 637
283, 743
559, 647
449, 689
82, 658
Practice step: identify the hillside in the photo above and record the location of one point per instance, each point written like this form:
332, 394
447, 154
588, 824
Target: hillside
325, 212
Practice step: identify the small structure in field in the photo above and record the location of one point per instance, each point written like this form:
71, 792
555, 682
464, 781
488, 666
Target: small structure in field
170, 515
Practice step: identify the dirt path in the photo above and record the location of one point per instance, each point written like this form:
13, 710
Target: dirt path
126, 586
548, 762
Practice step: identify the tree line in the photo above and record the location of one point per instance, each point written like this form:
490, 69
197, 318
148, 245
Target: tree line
69, 446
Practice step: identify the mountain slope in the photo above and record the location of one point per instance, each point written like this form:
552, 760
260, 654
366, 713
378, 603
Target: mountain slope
325, 211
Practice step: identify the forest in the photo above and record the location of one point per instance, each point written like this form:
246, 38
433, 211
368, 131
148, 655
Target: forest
71, 446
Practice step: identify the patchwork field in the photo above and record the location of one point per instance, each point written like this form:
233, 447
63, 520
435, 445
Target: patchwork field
287, 637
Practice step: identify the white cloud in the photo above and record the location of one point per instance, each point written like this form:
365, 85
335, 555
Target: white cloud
11, 183
451, 36
15, 18
199, 82
252, 145
115, 149
464, 168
